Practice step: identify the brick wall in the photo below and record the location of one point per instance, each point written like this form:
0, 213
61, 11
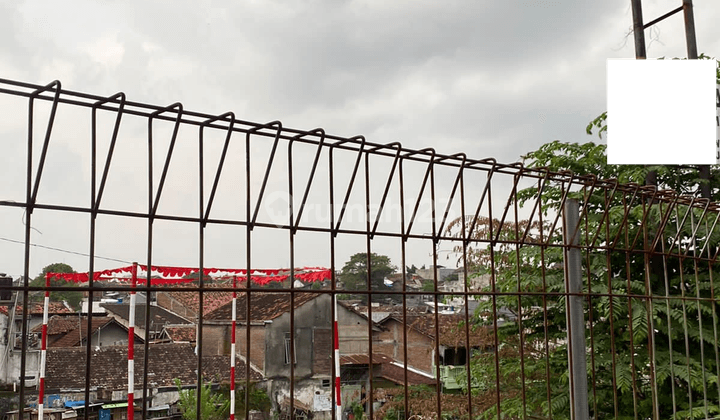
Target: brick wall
257, 344
420, 347
322, 351
216, 340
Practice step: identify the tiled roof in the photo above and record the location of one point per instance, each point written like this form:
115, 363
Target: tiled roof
389, 369
108, 367
62, 324
158, 316
263, 306
181, 333
36, 308
191, 300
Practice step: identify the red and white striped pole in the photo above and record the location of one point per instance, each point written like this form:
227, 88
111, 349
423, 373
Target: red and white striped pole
43, 349
232, 351
336, 344
131, 346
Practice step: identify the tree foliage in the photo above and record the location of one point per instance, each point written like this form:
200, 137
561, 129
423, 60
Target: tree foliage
590, 159
258, 398
532, 355
213, 406
72, 298
422, 404
629, 332
354, 273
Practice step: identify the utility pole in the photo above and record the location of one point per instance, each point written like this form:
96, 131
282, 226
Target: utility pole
574, 311
692, 54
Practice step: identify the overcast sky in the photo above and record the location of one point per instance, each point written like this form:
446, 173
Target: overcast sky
491, 79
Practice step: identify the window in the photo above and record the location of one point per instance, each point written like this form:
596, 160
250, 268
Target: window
287, 350
326, 383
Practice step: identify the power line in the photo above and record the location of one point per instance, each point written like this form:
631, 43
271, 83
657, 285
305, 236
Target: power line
64, 250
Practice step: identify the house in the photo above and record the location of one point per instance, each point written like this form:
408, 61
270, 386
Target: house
420, 348
386, 371
476, 282
452, 348
413, 283
356, 371
63, 331
11, 319
159, 317
429, 273
306, 355
381, 312
11, 340
49, 413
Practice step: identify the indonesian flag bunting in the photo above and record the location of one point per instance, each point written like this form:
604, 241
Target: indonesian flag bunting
172, 275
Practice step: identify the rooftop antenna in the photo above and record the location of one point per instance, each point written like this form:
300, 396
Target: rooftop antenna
692, 54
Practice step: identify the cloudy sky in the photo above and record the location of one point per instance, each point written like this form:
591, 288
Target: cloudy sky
491, 79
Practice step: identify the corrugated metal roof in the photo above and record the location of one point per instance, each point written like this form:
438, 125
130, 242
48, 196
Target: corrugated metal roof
115, 405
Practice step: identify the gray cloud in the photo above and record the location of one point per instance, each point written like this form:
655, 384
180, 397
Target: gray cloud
487, 78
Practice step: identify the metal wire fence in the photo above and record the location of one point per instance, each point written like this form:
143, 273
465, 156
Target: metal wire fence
564, 297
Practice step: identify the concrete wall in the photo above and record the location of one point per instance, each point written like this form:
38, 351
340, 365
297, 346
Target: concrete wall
5, 341
309, 392
10, 359
216, 339
429, 273
313, 343
313, 314
353, 332
157, 396
12, 366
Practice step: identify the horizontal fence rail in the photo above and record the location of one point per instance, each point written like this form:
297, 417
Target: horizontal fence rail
541, 295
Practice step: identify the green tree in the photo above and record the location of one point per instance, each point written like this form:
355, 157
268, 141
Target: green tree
72, 298
620, 373
213, 406
428, 285
354, 274
259, 399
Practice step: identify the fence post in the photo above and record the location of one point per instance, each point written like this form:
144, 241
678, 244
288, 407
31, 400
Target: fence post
574, 313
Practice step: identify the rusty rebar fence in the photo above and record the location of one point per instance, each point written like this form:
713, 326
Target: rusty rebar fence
629, 279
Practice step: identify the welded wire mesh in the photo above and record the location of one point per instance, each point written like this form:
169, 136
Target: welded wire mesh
529, 279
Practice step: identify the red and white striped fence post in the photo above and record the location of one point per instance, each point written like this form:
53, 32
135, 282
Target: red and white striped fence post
232, 351
43, 349
336, 344
131, 346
